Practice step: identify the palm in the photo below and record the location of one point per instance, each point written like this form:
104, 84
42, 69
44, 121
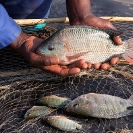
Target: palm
48, 63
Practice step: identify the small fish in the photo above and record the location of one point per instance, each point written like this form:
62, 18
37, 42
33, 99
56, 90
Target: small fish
62, 123
54, 101
36, 111
101, 106
85, 42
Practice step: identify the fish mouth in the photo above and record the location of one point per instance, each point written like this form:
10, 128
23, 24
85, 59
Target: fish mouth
65, 108
40, 52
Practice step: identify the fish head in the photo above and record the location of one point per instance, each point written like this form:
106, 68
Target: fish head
76, 106
59, 46
53, 46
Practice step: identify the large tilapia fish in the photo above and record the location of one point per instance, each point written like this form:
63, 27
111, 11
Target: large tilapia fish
85, 42
100, 106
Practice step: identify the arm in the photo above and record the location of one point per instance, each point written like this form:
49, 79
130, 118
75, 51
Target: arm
12, 36
79, 13
9, 30
78, 10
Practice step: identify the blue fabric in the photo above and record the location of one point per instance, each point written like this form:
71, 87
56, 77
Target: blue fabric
9, 30
20, 9
33, 28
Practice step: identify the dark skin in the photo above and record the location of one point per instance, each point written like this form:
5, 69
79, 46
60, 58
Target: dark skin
47, 63
79, 13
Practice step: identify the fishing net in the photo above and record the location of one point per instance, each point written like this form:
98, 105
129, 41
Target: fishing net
21, 85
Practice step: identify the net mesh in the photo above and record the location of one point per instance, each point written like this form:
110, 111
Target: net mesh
21, 85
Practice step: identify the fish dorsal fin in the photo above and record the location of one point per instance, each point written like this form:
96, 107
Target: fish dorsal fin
112, 32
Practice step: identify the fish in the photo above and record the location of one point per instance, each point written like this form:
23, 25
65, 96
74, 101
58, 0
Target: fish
92, 44
100, 106
54, 101
36, 111
62, 123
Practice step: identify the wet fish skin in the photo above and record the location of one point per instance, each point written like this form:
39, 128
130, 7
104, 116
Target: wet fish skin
62, 123
86, 42
100, 106
36, 111
54, 101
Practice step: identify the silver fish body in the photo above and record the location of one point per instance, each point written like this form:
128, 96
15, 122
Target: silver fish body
36, 111
54, 101
62, 123
100, 106
81, 42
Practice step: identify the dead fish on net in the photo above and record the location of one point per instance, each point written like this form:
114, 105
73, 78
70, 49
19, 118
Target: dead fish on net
85, 42
101, 106
54, 101
36, 111
63, 123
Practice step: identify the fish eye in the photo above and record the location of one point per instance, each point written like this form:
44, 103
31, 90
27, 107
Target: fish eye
75, 105
50, 47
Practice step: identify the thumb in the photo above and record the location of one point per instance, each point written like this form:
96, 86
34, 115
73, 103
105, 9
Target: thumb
38, 60
116, 39
109, 25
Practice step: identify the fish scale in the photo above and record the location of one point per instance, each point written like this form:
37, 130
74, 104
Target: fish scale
62, 123
111, 108
98, 41
54, 101
36, 111
85, 42
101, 106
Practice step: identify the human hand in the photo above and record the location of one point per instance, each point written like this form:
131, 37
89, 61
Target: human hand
92, 20
26, 46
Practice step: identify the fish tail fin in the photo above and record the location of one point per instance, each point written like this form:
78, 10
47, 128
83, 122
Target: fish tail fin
128, 55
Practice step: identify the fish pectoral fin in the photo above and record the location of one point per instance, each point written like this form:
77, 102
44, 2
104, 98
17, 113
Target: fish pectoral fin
76, 56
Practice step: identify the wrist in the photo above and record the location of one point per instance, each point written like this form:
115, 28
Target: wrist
16, 44
78, 10
82, 20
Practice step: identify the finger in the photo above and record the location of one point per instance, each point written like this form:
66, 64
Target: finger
89, 65
64, 67
117, 40
97, 65
61, 71
38, 60
114, 60
79, 64
107, 24
105, 66
69, 72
